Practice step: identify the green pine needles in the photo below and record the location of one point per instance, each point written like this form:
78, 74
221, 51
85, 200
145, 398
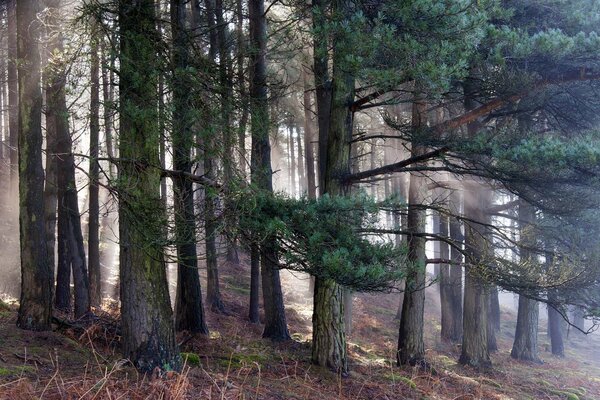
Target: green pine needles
324, 238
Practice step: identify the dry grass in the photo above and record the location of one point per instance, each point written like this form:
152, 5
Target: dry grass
82, 362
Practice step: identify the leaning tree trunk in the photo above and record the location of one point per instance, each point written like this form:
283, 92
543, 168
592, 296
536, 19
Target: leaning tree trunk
148, 335
189, 312
36, 272
261, 170
525, 344
411, 348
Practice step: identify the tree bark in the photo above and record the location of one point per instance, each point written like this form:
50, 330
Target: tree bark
329, 336
555, 329
36, 273
411, 348
309, 139
261, 170
447, 309
147, 323
95, 277
456, 269
475, 350
213, 293
253, 312
525, 344
189, 312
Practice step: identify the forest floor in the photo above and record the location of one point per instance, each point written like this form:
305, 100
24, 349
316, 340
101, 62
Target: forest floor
233, 362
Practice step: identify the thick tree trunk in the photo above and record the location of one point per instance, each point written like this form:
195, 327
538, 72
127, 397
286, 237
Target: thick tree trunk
261, 170
475, 350
95, 277
322, 83
189, 312
555, 329
253, 312
411, 348
13, 93
36, 272
447, 309
492, 312
147, 324
329, 337
525, 344
213, 293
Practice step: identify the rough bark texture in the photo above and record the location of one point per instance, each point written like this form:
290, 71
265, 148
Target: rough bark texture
329, 339
94, 201
475, 350
329, 336
411, 348
213, 293
525, 344
253, 312
36, 272
147, 324
189, 312
555, 329
261, 170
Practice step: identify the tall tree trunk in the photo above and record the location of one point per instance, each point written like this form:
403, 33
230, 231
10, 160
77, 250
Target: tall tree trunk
36, 273
50, 188
292, 158
329, 336
411, 348
301, 163
322, 83
261, 170
525, 344
309, 139
242, 85
213, 293
94, 175
456, 273
492, 312
555, 330
108, 65
447, 310
226, 112
477, 198
13, 93
147, 323
475, 350
189, 312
